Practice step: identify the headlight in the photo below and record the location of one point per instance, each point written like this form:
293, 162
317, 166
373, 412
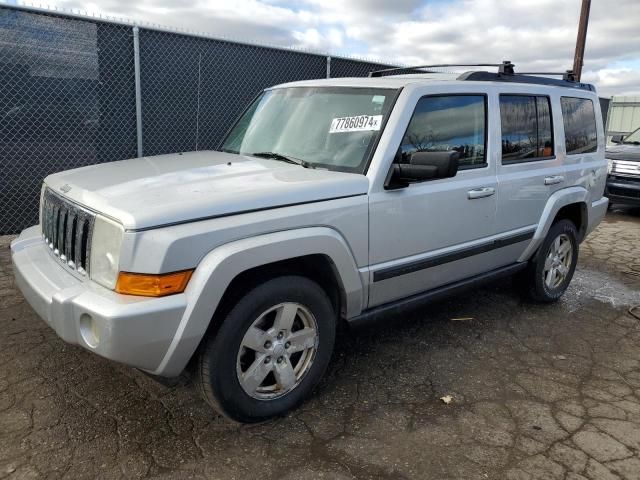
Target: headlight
105, 251
609, 165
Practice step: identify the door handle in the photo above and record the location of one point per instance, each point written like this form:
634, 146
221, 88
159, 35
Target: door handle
553, 180
481, 192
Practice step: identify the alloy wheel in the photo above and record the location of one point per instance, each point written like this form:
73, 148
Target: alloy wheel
558, 261
277, 351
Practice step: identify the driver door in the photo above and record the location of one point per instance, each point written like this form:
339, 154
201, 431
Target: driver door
436, 232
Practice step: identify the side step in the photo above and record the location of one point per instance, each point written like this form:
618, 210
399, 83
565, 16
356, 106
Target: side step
421, 299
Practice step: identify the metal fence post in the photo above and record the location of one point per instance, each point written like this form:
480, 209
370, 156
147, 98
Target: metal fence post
136, 68
328, 67
198, 104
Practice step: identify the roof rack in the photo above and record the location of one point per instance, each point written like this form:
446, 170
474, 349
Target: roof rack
568, 76
505, 73
505, 67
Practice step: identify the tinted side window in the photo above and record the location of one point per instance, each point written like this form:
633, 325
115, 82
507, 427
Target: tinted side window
526, 128
545, 129
579, 119
443, 123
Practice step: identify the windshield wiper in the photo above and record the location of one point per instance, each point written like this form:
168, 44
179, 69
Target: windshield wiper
283, 158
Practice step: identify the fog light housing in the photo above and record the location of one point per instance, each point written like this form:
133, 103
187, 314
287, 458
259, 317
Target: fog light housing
89, 330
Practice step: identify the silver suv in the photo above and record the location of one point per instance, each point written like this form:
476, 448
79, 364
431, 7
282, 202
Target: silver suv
330, 200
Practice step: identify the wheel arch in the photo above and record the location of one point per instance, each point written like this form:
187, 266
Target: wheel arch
318, 267
577, 214
321, 251
569, 203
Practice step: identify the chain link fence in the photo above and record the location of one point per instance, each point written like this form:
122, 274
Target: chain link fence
68, 95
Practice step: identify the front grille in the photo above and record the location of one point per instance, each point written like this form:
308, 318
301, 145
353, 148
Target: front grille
67, 229
625, 169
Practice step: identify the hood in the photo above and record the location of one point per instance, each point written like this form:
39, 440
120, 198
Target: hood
623, 152
152, 191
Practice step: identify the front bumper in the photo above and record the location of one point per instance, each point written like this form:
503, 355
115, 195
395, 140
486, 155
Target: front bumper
137, 331
621, 190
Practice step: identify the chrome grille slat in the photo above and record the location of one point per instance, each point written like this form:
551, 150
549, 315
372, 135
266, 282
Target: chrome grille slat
44, 220
50, 223
60, 233
46, 214
63, 234
67, 227
54, 223
626, 169
81, 247
69, 240
76, 254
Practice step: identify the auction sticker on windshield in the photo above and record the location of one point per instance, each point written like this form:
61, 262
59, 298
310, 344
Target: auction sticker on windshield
359, 123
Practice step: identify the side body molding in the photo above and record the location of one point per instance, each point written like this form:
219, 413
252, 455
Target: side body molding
219, 267
556, 201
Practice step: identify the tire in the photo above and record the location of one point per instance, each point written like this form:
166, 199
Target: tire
277, 319
539, 280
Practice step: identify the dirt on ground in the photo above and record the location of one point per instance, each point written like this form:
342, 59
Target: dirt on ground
537, 392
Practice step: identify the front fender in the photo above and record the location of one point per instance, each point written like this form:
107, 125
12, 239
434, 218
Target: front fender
220, 266
556, 201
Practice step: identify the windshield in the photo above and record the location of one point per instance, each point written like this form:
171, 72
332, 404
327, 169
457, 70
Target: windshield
633, 137
319, 127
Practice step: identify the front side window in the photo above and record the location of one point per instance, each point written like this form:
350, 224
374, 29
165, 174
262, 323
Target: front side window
445, 123
580, 134
527, 133
327, 127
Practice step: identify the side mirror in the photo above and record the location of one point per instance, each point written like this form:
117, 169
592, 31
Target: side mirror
617, 139
423, 166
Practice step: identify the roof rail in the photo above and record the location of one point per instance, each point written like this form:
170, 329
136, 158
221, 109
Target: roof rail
531, 78
505, 73
506, 67
568, 76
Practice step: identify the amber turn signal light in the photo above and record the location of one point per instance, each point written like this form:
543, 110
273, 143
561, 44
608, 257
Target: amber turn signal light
148, 285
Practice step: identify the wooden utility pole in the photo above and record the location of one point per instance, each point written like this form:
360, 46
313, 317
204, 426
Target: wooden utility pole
578, 59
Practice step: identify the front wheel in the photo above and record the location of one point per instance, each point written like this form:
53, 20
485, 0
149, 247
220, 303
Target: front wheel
550, 272
270, 351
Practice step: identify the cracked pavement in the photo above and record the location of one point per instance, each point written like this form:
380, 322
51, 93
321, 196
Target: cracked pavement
539, 392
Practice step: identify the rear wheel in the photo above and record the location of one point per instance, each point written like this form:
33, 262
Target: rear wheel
550, 272
270, 351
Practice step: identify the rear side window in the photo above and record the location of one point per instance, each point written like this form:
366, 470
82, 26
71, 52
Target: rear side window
527, 133
445, 123
580, 134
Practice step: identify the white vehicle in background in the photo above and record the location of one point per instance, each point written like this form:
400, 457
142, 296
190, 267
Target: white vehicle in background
331, 200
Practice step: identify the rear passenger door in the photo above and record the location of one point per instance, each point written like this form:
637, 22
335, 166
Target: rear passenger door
530, 166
